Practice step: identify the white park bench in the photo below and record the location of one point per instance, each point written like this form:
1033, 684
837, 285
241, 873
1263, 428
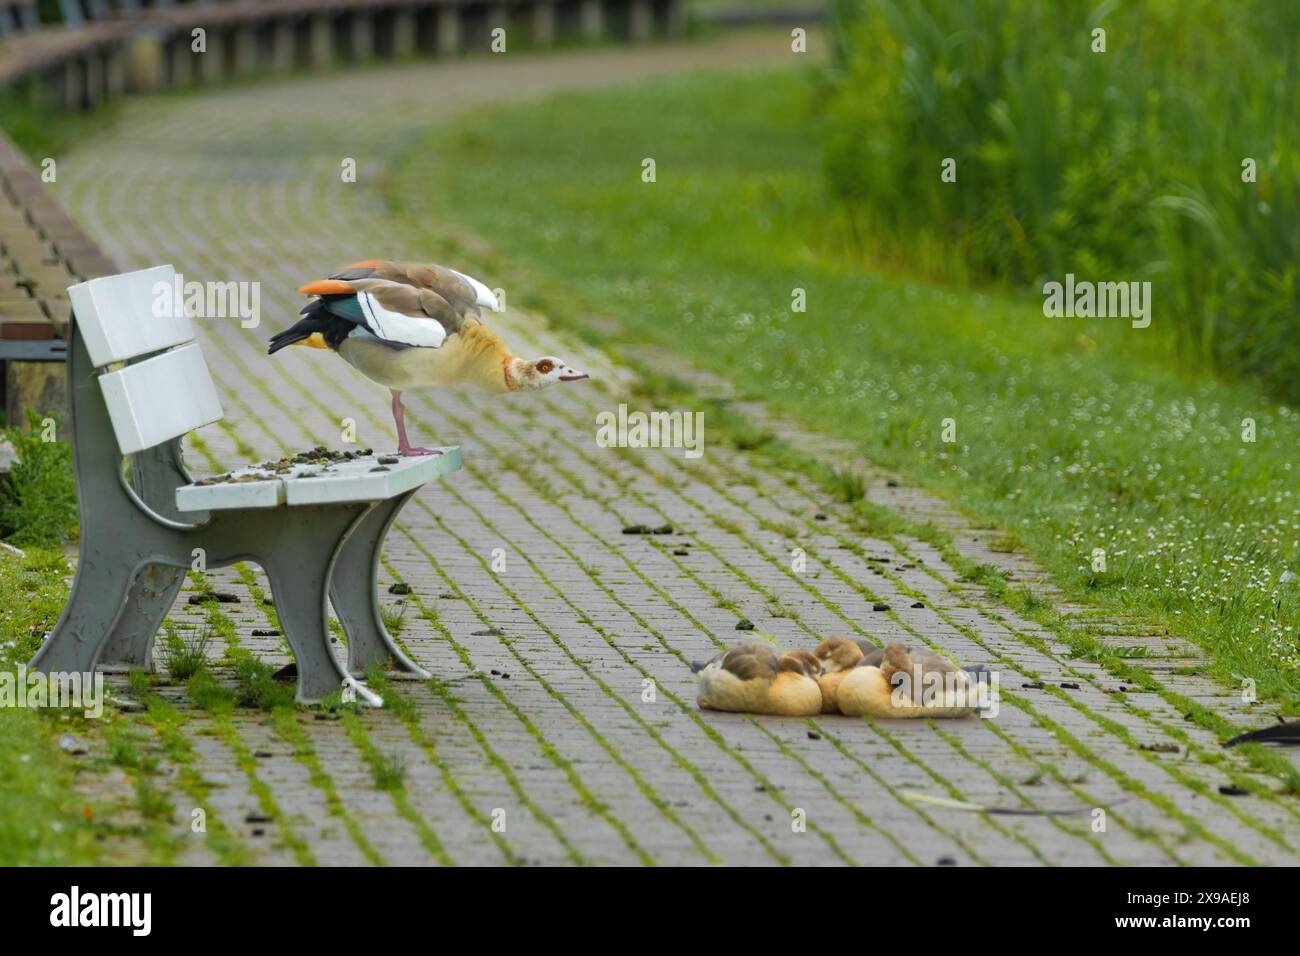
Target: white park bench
138, 383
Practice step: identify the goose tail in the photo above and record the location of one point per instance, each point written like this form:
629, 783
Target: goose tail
318, 328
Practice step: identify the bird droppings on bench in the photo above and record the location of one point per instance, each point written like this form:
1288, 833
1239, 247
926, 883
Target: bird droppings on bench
338, 477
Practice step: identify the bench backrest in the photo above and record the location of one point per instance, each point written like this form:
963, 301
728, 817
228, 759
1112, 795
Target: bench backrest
123, 318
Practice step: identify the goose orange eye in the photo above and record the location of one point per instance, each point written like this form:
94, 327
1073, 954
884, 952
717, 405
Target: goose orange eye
545, 367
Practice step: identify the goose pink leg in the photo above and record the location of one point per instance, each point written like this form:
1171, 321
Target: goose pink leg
399, 418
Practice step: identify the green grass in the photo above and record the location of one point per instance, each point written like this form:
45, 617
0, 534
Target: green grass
388, 771
394, 618
38, 501
42, 818
1070, 434
25, 114
41, 821
256, 686
1117, 165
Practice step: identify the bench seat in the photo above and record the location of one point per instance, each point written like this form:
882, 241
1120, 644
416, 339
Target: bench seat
367, 478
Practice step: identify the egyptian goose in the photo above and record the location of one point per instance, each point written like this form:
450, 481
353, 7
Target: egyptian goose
892, 689
406, 325
753, 679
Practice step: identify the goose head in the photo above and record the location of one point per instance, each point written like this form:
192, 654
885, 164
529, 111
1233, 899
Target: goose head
800, 662
543, 373
838, 654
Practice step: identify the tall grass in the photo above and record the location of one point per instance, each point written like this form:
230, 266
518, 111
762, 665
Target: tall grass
38, 501
1118, 165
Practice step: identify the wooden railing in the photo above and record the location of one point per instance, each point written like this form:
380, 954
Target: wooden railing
42, 252
122, 47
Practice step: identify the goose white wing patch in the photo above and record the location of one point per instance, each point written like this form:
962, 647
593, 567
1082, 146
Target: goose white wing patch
400, 329
482, 294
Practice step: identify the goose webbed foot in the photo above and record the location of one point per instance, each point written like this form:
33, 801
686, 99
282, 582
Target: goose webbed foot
406, 451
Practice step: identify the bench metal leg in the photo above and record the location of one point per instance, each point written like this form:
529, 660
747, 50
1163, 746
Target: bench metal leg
97, 598
354, 592
299, 566
155, 473
153, 592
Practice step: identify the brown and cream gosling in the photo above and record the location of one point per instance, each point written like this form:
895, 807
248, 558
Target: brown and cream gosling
752, 678
858, 683
837, 656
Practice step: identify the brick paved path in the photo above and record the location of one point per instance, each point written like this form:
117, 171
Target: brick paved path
537, 718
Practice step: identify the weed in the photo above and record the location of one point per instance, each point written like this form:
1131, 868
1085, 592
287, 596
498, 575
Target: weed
184, 656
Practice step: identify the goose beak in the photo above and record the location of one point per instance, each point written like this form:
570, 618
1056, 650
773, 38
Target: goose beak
574, 376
